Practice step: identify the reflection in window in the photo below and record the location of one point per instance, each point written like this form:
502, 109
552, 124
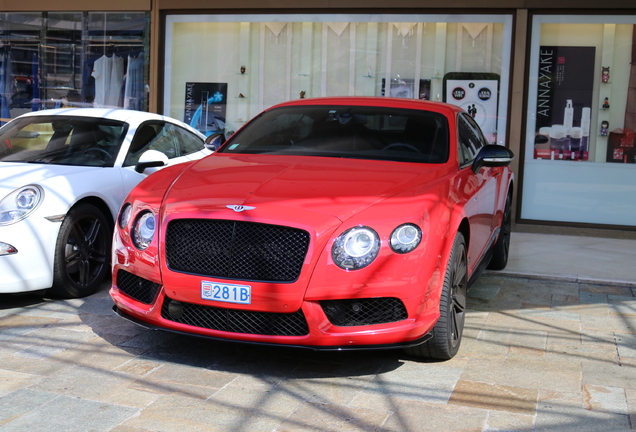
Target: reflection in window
73, 59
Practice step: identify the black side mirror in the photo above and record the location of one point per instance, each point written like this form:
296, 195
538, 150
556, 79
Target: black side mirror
214, 141
141, 166
492, 155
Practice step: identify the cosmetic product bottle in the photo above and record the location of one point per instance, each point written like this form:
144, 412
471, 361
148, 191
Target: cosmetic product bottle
542, 139
575, 142
568, 117
585, 134
558, 141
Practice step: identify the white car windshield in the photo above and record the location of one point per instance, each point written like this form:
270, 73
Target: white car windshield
62, 140
358, 132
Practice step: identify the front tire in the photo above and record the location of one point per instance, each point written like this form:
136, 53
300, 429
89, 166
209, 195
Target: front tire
447, 333
82, 252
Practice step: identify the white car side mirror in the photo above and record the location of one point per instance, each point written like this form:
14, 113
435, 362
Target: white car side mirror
151, 158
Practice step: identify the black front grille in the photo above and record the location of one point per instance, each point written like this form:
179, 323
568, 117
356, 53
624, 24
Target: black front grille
235, 321
137, 287
366, 311
236, 250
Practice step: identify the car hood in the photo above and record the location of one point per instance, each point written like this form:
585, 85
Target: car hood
335, 187
14, 174
64, 185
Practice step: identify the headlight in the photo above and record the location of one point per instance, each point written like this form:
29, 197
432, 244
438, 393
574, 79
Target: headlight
20, 203
143, 230
356, 248
124, 215
405, 238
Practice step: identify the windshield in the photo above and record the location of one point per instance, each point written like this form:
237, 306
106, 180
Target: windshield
62, 140
358, 132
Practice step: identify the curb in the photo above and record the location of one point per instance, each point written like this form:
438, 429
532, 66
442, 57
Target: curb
562, 278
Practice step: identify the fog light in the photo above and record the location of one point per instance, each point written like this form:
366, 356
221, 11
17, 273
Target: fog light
7, 249
175, 309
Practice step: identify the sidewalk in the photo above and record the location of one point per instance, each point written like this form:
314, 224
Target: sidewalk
549, 345
572, 259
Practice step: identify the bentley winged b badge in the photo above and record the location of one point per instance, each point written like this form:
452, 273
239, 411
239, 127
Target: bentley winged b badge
239, 208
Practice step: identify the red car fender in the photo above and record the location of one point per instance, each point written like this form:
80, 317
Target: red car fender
149, 195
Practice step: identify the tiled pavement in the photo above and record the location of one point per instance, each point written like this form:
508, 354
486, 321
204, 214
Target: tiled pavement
537, 355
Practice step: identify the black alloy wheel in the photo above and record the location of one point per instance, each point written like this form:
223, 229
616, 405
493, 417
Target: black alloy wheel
458, 298
501, 249
82, 252
447, 333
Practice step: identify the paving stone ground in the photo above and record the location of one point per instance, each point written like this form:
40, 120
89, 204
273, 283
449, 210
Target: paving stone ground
537, 355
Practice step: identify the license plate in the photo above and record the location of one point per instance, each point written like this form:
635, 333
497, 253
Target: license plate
226, 292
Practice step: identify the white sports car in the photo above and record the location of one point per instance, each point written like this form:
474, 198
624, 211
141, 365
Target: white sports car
63, 176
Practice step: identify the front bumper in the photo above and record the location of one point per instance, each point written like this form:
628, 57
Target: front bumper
31, 268
397, 345
319, 332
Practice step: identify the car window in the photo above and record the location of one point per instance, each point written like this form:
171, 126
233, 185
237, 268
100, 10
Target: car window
471, 139
62, 140
187, 141
167, 138
151, 136
406, 135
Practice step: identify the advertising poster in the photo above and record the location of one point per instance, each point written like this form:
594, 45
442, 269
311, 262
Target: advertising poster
564, 101
477, 93
425, 89
205, 106
400, 87
405, 88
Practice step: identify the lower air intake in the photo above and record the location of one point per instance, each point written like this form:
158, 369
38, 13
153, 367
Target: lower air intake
366, 311
137, 287
235, 321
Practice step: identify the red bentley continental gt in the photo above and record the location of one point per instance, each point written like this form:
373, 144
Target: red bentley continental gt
329, 223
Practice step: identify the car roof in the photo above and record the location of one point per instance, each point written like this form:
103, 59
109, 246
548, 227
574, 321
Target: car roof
376, 101
120, 114
108, 113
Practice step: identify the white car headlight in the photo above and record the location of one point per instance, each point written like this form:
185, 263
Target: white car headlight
405, 238
143, 230
356, 248
20, 203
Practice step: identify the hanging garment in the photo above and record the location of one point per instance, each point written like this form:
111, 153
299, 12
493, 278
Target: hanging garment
35, 82
630, 112
109, 74
88, 81
6, 80
134, 88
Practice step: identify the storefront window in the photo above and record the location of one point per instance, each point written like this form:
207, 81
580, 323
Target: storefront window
61, 56
49, 60
19, 45
117, 50
579, 146
221, 70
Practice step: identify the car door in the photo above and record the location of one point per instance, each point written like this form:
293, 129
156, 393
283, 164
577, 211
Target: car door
479, 189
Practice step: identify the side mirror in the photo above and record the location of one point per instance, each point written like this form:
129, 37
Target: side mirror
150, 159
214, 141
492, 155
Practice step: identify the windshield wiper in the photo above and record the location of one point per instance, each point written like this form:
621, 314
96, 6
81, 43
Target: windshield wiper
37, 161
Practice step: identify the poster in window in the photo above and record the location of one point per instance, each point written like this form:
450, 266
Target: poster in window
425, 89
205, 106
564, 101
477, 93
400, 87
405, 88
